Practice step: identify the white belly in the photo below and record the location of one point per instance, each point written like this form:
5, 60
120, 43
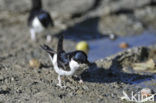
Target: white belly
61, 71
36, 25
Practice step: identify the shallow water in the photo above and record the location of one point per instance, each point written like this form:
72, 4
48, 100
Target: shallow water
104, 47
146, 83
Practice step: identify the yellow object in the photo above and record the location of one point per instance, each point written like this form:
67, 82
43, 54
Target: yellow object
83, 46
34, 63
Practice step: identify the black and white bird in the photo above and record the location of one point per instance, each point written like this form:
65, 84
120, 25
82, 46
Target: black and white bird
38, 19
66, 64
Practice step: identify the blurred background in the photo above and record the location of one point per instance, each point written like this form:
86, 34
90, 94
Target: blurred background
131, 22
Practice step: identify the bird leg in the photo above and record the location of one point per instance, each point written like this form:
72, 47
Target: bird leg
59, 83
48, 35
80, 80
48, 38
32, 35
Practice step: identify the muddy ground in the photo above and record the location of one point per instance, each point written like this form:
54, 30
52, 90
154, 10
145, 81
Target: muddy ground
103, 82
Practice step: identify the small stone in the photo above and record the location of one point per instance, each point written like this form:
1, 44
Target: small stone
85, 87
34, 63
123, 45
112, 36
146, 92
12, 79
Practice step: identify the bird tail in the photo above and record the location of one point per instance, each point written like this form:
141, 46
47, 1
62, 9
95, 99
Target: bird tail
60, 44
48, 49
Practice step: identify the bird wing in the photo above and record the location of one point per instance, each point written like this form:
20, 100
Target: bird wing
63, 61
48, 49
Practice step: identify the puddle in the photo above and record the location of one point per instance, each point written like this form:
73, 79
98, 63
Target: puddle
105, 47
146, 83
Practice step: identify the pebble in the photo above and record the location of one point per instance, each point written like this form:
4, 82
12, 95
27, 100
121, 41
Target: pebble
34, 63
85, 87
12, 79
146, 92
123, 45
112, 36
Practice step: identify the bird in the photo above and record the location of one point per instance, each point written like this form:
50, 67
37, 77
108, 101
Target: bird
38, 19
66, 63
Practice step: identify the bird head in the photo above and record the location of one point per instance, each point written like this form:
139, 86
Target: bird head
81, 57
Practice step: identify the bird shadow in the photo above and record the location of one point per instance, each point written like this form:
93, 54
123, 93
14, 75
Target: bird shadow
96, 74
84, 30
46, 66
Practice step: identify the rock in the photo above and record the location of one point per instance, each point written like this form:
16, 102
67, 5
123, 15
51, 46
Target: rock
124, 59
145, 66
